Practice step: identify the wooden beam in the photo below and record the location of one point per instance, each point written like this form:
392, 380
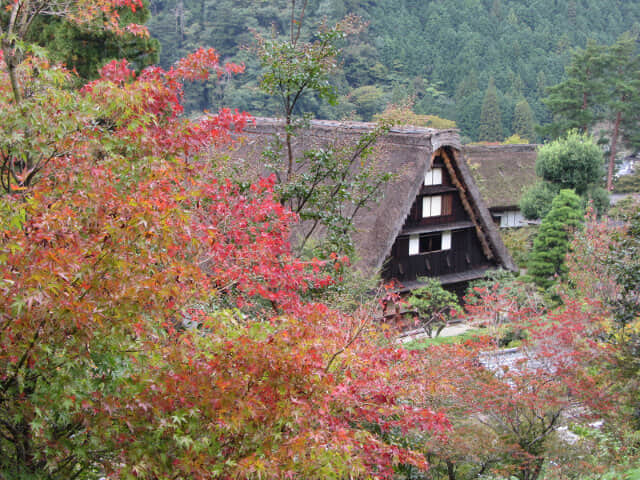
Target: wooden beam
466, 204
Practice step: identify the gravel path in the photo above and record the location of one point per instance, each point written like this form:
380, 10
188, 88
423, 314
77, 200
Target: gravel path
450, 331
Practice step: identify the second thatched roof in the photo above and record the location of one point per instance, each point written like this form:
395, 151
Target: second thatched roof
502, 172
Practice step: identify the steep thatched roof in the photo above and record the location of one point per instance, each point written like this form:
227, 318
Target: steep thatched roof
502, 172
405, 151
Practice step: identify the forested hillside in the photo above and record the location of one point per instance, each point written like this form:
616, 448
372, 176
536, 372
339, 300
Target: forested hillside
443, 54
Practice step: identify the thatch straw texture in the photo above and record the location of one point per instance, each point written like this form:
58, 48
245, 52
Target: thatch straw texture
404, 151
502, 172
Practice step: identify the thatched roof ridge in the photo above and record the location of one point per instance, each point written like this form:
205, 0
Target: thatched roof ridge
403, 134
405, 151
502, 172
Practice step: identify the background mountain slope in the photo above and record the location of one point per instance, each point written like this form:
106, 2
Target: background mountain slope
441, 53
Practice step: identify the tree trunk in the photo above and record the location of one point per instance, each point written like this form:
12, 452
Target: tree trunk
10, 61
532, 469
451, 470
585, 128
612, 153
289, 147
25, 455
537, 469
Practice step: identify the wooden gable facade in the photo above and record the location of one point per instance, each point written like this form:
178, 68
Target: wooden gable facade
429, 220
441, 236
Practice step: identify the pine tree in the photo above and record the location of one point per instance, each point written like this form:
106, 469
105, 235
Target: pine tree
496, 9
574, 102
490, 117
517, 85
541, 83
602, 85
572, 11
551, 245
523, 122
622, 100
86, 49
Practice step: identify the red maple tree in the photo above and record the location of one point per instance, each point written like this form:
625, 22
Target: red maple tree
153, 319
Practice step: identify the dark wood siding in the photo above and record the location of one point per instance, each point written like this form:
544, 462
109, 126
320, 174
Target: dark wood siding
465, 254
457, 212
452, 208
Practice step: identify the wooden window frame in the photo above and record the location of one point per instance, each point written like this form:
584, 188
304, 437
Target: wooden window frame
431, 206
418, 243
433, 177
437, 205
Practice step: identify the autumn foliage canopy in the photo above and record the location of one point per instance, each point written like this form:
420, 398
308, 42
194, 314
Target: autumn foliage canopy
153, 320
155, 324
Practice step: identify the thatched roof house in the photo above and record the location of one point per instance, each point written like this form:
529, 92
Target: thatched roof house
410, 153
502, 173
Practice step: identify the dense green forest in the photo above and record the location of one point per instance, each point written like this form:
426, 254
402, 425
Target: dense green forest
442, 54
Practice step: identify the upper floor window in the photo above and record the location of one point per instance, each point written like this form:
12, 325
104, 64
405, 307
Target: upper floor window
437, 205
433, 177
432, 206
